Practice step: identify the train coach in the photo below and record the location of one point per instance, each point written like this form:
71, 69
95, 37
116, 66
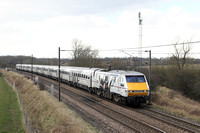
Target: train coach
121, 86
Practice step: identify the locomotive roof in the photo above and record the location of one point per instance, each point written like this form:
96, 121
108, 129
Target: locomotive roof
86, 68
125, 72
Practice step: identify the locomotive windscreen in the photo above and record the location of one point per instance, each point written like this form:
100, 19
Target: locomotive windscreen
135, 79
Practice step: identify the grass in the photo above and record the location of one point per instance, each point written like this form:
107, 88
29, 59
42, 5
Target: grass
10, 114
45, 112
175, 102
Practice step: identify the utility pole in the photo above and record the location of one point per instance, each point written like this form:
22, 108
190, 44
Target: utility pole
21, 64
59, 72
140, 39
149, 75
149, 68
32, 67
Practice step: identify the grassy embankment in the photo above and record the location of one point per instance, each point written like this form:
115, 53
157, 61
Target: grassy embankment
176, 103
10, 114
45, 112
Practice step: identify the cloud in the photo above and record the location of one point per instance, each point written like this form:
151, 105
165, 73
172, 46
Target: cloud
40, 27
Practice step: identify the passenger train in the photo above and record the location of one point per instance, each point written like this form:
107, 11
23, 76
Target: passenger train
129, 87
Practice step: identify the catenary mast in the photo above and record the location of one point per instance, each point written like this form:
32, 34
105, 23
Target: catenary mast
140, 39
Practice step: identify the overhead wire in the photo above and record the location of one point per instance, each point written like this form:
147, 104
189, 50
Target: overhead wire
153, 46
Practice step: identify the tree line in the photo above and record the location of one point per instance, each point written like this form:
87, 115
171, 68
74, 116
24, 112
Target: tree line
179, 72
182, 73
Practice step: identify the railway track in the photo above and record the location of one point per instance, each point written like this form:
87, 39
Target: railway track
130, 122
179, 123
173, 120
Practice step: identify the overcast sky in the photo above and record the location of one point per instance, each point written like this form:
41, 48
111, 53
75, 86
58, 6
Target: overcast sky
39, 27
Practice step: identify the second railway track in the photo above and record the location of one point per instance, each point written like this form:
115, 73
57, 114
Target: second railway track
179, 122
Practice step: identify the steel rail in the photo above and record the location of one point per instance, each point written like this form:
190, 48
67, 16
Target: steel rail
165, 120
56, 86
155, 129
185, 124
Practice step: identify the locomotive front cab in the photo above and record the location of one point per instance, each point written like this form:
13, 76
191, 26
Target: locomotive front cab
137, 85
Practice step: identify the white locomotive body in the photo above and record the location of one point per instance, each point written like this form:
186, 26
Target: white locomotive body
121, 86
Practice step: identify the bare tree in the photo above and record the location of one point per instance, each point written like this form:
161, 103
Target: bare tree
83, 55
180, 57
77, 47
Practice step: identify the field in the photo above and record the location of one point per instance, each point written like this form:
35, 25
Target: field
49, 115
10, 114
45, 112
174, 102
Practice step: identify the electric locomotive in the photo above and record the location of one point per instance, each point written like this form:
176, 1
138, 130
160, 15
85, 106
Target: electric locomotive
121, 86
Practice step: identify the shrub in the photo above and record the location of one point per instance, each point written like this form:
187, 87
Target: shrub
186, 80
